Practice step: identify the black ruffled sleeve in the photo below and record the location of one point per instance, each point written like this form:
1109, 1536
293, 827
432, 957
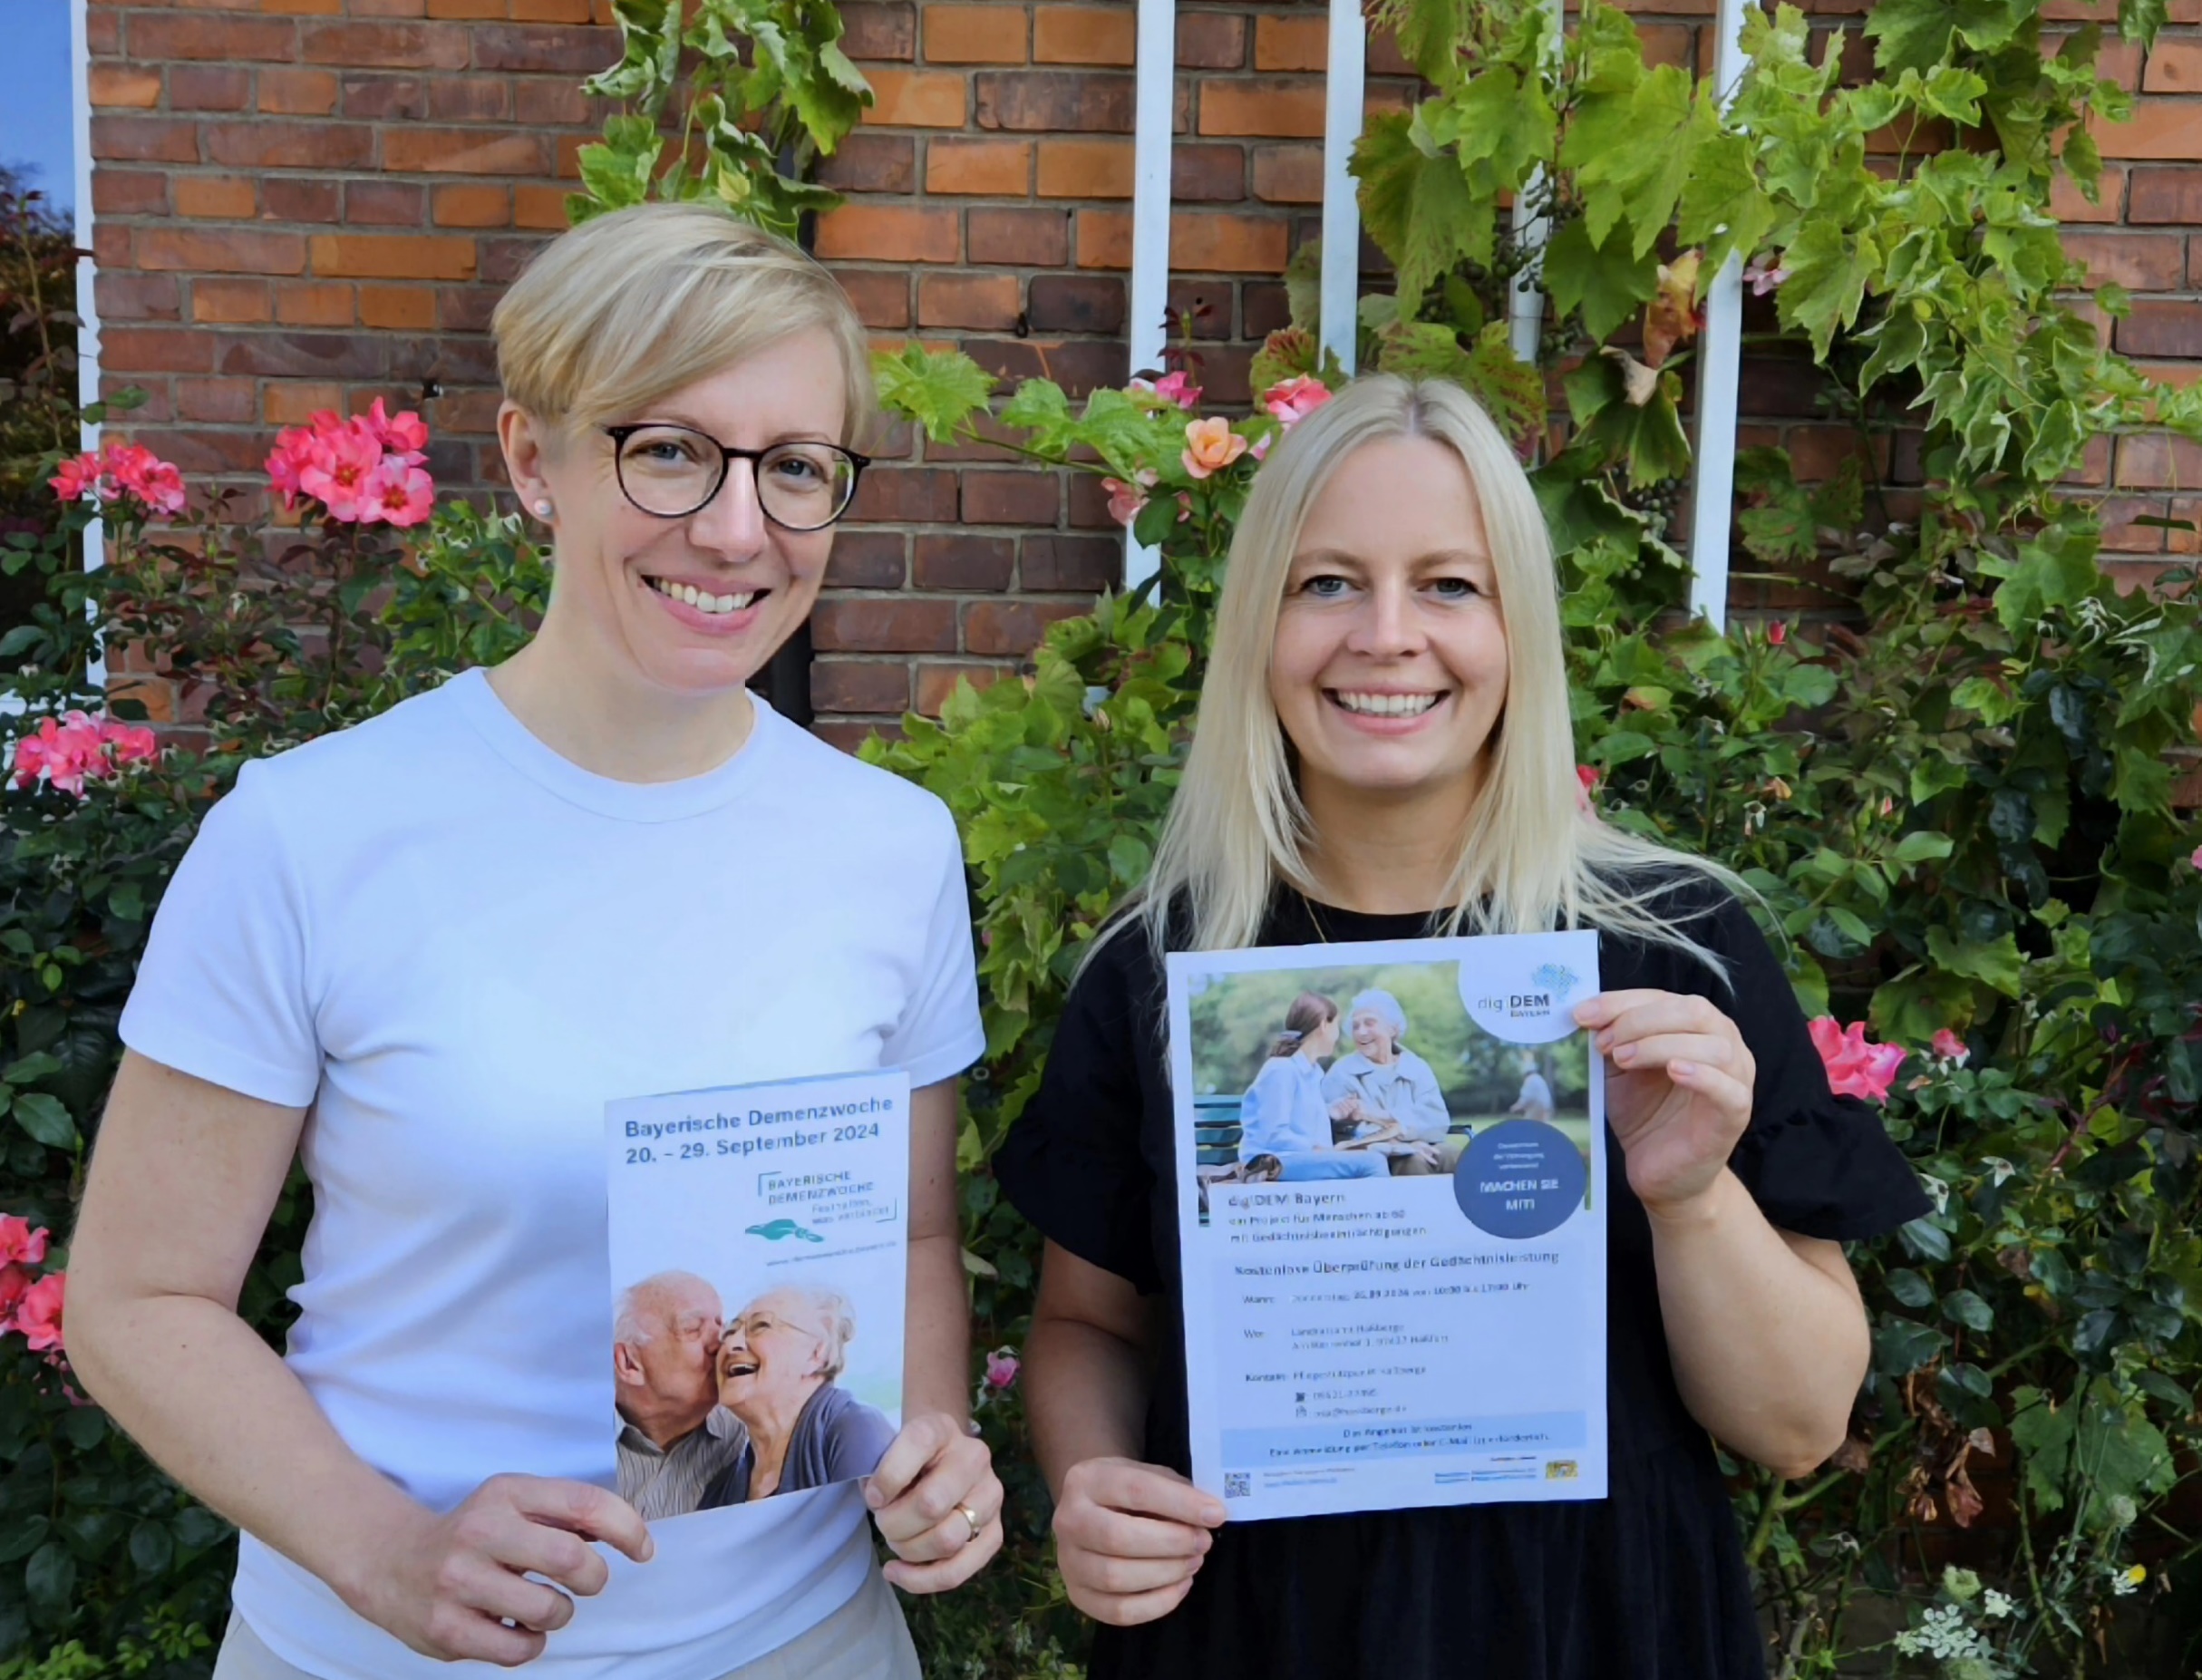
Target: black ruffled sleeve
1818, 1164
1072, 1162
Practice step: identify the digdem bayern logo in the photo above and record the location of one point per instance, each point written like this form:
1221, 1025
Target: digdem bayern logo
1531, 1010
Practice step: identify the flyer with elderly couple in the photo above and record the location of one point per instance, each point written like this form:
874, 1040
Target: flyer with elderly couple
1391, 1215
758, 1257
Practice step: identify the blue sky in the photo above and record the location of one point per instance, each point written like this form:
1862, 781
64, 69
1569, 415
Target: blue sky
36, 125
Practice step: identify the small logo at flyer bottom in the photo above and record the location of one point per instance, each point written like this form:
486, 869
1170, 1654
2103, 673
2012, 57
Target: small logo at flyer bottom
1560, 1470
1236, 1484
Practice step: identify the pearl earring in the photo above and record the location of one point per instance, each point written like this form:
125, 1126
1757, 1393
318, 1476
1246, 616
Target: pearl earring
542, 509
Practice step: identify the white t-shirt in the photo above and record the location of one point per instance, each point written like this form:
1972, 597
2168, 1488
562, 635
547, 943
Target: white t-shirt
457, 945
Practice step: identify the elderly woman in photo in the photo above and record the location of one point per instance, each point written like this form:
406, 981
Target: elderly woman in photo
1284, 1114
423, 952
1387, 1094
778, 1361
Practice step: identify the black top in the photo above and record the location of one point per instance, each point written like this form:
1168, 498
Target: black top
1646, 1584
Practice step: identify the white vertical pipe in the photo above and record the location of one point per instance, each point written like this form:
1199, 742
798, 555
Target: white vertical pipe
1720, 347
87, 274
1152, 119
1345, 96
1531, 228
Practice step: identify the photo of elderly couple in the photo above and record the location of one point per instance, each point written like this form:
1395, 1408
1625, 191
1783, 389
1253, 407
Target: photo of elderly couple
719, 1409
1365, 1072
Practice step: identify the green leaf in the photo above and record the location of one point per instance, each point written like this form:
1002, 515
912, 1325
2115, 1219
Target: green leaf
1418, 206
1910, 1288
2042, 1434
50, 1579
1724, 206
151, 1548
1995, 963
939, 389
1607, 284
1633, 158
1901, 1347
1964, 1307
2056, 570
1922, 846
1830, 266
45, 1119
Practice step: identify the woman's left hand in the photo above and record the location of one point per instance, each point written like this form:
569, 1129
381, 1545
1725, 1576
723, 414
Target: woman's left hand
1678, 1089
938, 1504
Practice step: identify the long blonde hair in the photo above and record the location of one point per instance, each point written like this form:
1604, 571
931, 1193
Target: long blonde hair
1528, 861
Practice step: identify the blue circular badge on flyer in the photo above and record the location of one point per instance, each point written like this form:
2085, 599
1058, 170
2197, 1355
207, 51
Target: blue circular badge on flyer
1520, 1177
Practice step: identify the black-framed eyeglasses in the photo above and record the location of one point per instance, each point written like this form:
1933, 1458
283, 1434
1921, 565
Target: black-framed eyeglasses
672, 471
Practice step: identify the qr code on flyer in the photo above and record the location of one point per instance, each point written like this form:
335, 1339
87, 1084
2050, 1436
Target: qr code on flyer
1236, 1484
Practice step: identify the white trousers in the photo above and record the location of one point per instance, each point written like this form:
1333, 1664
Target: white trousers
865, 1639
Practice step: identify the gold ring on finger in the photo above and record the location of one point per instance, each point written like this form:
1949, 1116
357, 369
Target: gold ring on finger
970, 1517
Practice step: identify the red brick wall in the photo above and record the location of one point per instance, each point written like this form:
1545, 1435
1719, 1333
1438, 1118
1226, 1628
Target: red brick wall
308, 203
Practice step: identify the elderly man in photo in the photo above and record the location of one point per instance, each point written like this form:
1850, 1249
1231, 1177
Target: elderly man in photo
674, 1436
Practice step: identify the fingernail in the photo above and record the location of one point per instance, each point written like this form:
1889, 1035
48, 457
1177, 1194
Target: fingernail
1682, 1070
872, 1496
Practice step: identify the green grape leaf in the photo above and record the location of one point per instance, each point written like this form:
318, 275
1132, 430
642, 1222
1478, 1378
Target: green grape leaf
1828, 266
1723, 208
939, 389
1633, 160
1995, 963
1607, 284
1418, 207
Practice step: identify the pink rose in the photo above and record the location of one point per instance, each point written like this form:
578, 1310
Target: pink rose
1210, 446
121, 470
38, 1315
2195, 857
399, 493
1176, 388
77, 479
78, 749
1002, 1368
1125, 501
1291, 401
399, 434
1949, 1047
1777, 633
339, 467
1855, 1068
21, 1242
1765, 274
14, 1284
1585, 785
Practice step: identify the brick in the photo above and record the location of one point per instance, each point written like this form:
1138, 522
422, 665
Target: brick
2157, 328
879, 32
471, 206
1201, 307
384, 46
160, 35
1262, 108
882, 297
145, 140
323, 355
391, 256
1084, 35
503, 259
541, 102
469, 11
2152, 461
1288, 174
1085, 169
313, 304
463, 151
1018, 496
294, 402
155, 350
884, 626
129, 193
385, 203
937, 683
1228, 244
139, 296
2140, 262
220, 197
1011, 628
270, 144
1208, 174
944, 562
2168, 129
1262, 307
998, 169
385, 99
2068, 204
906, 495
539, 206
235, 250
1067, 303
1211, 41
2174, 67
1104, 239
2121, 535
988, 302
915, 99
866, 162
123, 86
110, 245
1071, 565
399, 308
555, 12
887, 233
1021, 239
289, 197
2166, 196
1283, 42
543, 50
860, 686
974, 35
470, 99
866, 559
209, 87
1055, 101
230, 303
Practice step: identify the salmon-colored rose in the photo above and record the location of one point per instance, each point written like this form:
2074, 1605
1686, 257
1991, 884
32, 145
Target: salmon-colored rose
1210, 446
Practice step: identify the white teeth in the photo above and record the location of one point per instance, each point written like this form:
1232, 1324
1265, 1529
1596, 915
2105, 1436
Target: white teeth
704, 603
1387, 705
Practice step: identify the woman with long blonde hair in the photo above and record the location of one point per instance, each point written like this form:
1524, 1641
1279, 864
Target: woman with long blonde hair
1385, 752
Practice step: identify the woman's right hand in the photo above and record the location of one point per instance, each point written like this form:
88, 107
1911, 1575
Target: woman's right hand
1130, 1538
448, 1586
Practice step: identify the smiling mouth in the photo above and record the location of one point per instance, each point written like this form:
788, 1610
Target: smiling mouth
743, 1367
1365, 704
688, 595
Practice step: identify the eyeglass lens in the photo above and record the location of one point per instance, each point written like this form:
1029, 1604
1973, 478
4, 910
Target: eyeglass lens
671, 471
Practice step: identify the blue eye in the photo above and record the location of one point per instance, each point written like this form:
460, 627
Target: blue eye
1456, 588
1325, 587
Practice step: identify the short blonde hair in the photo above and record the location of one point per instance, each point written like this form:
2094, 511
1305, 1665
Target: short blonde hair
1525, 860
628, 309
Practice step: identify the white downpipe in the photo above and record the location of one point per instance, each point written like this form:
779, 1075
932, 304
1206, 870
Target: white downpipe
1344, 97
1527, 311
1152, 124
87, 298
1720, 356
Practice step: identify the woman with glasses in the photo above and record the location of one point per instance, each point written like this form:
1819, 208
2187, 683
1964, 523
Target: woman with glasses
424, 951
